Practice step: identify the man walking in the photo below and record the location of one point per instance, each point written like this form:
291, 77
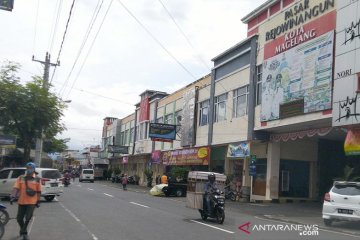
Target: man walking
27, 190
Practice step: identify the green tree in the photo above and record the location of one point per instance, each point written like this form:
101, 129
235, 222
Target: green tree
55, 145
28, 110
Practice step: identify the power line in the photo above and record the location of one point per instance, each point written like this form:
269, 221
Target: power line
35, 27
186, 38
53, 32
91, 46
90, 26
63, 39
157, 41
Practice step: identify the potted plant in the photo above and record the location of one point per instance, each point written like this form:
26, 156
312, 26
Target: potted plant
149, 177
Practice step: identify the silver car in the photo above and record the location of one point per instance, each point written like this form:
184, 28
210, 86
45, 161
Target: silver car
342, 203
51, 181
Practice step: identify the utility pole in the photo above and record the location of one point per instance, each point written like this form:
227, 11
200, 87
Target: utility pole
47, 64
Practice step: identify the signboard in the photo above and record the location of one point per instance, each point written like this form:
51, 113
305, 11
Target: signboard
187, 120
144, 110
291, 109
346, 105
239, 150
7, 141
118, 149
156, 157
303, 72
252, 166
352, 143
6, 5
160, 131
189, 156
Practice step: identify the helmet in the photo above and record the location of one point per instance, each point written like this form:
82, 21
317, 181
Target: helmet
211, 177
31, 164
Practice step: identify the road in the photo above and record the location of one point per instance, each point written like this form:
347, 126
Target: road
100, 211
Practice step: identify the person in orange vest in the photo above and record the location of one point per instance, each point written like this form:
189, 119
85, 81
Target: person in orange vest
27, 189
164, 179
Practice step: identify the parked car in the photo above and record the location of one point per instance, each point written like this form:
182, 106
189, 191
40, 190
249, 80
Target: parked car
50, 178
342, 203
87, 175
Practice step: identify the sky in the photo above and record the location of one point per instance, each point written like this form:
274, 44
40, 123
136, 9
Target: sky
132, 46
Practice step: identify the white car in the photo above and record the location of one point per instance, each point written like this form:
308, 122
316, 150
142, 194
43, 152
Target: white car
51, 181
87, 175
342, 203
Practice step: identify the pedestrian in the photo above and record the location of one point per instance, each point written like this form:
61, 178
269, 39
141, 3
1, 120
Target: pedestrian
164, 179
124, 181
27, 189
73, 175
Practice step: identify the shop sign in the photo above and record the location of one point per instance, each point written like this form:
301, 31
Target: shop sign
291, 109
6, 5
239, 150
162, 131
7, 141
144, 110
118, 149
352, 142
298, 15
156, 156
300, 34
189, 156
303, 72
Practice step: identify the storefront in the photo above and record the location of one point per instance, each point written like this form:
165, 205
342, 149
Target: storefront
217, 158
137, 164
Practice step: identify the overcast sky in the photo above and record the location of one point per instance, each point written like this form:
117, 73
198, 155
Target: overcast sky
125, 59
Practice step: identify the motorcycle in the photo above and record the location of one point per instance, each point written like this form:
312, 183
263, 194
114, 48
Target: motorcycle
229, 194
217, 203
4, 219
116, 179
66, 181
131, 180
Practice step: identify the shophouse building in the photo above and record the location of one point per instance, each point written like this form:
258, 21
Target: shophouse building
295, 62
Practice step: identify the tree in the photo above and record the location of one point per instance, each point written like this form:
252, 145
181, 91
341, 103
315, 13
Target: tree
28, 111
55, 145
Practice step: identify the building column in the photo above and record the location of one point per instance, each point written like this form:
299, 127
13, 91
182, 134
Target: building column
272, 172
246, 181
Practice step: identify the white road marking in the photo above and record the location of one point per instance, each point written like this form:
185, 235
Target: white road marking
140, 205
108, 195
31, 223
79, 185
78, 220
208, 225
90, 189
320, 229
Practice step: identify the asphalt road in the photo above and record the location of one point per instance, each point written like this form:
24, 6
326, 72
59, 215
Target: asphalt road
100, 211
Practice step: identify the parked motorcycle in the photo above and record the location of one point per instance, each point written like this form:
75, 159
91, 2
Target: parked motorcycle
217, 203
229, 194
116, 179
131, 180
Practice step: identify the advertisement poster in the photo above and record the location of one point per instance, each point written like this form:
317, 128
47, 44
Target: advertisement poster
156, 156
352, 143
190, 156
303, 72
239, 150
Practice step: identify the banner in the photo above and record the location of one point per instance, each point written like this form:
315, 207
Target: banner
190, 156
156, 157
187, 120
160, 131
303, 72
239, 150
352, 143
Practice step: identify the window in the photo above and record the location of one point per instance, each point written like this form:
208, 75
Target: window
4, 174
146, 129
204, 113
258, 84
131, 135
17, 172
126, 137
178, 116
160, 120
52, 174
122, 138
240, 101
168, 119
220, 107
347, 189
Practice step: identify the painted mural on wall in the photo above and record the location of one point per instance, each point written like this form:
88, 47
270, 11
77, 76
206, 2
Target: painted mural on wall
346, 105
303, 72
